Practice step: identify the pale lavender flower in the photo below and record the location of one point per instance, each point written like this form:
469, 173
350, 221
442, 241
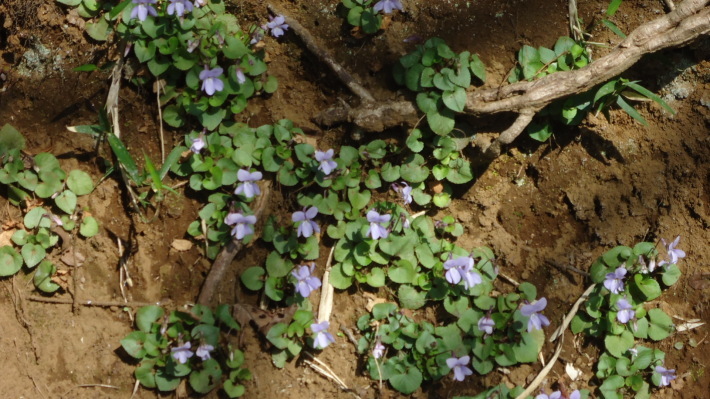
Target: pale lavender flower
471, 278
243, 225
182, 353
575, 394
327, 165
211, 81
200, 3
277, 25
198, 144
257, 36
460, 367
645, 269
626, 311
305, 282
240, 76
377, 228
666, 375
248, 187
203, 351
142, 9
306, 225
536, 321
456, 268
405, 190
554, 395
387, 6
179, 7
322, 338
614, 281
486, 325
673, 254
192, 45
379, 350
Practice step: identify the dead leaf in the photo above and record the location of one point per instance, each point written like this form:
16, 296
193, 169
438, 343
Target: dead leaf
572, 372
74, 19
68, 258
181, 245
5, 237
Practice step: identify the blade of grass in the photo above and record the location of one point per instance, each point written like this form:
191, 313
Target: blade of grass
644, 91
125, 158
630, 110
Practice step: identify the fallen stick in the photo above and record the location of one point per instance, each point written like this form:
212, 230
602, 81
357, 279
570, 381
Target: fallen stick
325, 308
226, 255
543, 373
565, 322
102, 304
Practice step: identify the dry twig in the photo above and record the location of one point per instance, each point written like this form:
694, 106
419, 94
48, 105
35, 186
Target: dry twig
543, 373
565, 322
325, 308
103, 304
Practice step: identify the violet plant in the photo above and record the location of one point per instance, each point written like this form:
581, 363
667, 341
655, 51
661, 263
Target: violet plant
367, 16
57, 195
187, 345
616, 313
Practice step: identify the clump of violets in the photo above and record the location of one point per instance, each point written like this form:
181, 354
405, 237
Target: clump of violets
674, 255
142, 9
322, 337
626, 311
182, 353
243, 225
305, 281
405, 190
667, 375
461, 268
277, 25
387, 6
614, 281
378, 224
211, 82
536, 320
325, 158
179, 7
460, 367
304, 220
248, 186
486, 324
203, 351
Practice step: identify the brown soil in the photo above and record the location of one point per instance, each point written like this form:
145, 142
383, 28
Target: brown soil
607, 183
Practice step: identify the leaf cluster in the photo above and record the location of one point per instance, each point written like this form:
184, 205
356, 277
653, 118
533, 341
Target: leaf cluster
40, 178
441, 78
361, 15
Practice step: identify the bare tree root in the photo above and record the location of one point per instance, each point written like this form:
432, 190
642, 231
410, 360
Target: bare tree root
226, 255
687, 22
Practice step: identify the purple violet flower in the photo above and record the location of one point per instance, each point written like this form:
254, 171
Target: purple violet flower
554, 395
241, 78
327, 165
142, 9
379, 350
645, 269
182, 353
203, 351
306, 225
377, 228
243, 225
673, 254
486, 325
626, 311
666, 375
575, 394
306, 283
536, 321
460, 367
211, 82
200, 3
387, 6
248, 187
179, 7
461, 268
322, 338
198, 144
405, 190
614, 281
277, 25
